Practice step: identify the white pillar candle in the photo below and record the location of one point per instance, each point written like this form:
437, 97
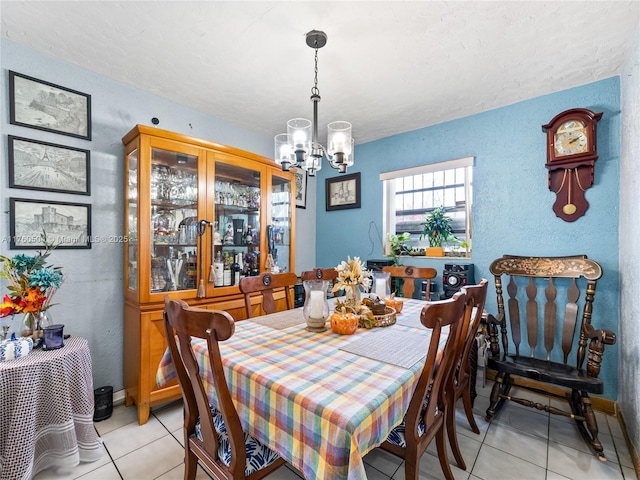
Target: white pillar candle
381, 287
315, 303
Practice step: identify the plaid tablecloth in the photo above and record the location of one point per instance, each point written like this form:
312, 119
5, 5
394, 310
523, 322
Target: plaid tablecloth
319, 407
46, 411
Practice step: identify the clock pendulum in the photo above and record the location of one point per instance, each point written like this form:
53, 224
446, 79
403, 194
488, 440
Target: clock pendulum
569, 207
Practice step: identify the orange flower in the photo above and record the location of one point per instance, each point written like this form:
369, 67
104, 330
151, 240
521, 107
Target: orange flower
7, 307
33, 300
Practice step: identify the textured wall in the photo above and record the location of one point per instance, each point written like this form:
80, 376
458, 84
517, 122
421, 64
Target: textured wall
306, 230
629, 338
90, 301
512, 203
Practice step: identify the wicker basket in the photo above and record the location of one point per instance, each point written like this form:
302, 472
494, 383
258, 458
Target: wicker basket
385, 320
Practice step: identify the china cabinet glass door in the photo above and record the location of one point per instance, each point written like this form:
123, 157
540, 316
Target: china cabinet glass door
131, 213
236, 224
174, 224
279, 229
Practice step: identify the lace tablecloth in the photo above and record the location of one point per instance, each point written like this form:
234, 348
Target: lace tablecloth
46, 411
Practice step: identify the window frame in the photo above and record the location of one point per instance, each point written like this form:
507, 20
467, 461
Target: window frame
389, 192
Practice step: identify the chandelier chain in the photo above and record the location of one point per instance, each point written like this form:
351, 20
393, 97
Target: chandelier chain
314, 89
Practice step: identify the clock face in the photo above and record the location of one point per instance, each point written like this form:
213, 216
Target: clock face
571, 139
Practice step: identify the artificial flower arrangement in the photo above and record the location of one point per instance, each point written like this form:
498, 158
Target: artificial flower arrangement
32, 282
352, 273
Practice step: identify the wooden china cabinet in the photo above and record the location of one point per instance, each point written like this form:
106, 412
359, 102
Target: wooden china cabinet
198, 216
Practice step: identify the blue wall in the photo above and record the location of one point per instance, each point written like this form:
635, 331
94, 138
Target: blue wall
511, 201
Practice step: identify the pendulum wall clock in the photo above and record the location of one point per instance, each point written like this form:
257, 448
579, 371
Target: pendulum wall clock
571, 158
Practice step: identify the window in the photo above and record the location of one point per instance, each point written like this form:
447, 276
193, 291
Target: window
410, 194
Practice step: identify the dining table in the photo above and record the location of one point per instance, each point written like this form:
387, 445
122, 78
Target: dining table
321, 400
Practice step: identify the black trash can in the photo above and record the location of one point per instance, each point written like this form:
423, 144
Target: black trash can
103, 403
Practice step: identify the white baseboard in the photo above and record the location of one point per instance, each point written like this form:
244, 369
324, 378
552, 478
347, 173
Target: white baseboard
118, 397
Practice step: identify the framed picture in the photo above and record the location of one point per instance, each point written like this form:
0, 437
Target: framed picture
301, 188
67, 225
36, 165
343, 192
37, 104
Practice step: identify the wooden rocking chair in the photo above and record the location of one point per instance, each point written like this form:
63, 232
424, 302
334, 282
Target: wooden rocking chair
536, 287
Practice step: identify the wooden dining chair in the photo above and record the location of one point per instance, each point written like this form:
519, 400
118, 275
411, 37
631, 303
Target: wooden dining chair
461, 379
321, 274
410, 274
425, 417
212, 434
268, 284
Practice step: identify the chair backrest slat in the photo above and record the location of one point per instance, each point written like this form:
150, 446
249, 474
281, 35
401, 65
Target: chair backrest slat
570, 318
550, 317
514, 314
532, 317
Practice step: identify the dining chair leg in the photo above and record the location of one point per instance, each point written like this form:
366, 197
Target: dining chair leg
190, 464
411, 464
452, 434
467, 402
442, 455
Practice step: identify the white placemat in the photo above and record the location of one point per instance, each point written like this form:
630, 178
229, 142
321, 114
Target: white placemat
410, 321
396, 347
280, 320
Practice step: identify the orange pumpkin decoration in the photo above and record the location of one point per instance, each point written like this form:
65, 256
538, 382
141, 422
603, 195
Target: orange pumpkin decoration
394, 302
344, 323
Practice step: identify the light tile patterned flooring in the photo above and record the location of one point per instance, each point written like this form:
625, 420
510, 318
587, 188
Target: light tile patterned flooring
520, 443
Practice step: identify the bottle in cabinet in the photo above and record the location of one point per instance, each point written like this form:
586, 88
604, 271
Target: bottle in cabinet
248, 237
226, 276
218, 270
235, 270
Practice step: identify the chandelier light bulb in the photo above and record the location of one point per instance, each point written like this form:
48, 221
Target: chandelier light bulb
299, 139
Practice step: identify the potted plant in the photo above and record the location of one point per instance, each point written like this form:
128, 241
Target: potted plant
437, 229
398, 246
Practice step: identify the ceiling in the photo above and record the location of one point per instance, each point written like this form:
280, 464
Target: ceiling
388, 67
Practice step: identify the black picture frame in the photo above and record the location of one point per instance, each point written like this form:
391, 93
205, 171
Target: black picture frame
34, 103
38, 165
301, 188
343, 192
67, 225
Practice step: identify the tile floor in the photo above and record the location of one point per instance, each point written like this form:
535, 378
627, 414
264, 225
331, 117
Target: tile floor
520, 443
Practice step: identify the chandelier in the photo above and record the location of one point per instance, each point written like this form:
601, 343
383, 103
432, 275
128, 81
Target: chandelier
299, 147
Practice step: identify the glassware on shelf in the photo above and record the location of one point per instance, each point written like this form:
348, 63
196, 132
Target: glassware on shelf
158, 274
217, 238
190, 271
190, 225
164, 226
160, 182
